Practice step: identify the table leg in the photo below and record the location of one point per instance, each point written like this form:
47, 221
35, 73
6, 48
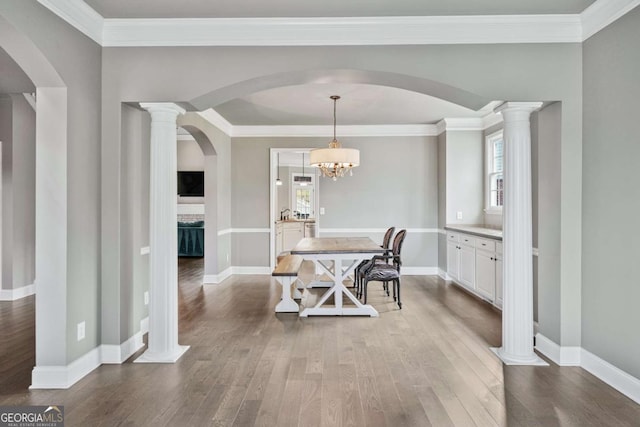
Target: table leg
287, 304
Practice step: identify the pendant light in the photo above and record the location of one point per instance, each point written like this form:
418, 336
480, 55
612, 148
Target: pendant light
303, 182
335, 161
278, 180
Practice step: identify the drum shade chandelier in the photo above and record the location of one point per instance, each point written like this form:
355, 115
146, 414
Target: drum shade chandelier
335, 161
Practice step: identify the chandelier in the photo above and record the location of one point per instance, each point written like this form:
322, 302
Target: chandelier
335, 161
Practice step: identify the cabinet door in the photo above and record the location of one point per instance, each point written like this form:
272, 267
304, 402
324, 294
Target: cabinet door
486, 274
467, 272
452, 260
499, 285
291, 236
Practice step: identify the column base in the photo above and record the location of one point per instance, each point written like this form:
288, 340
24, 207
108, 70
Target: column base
165, 357
534, 360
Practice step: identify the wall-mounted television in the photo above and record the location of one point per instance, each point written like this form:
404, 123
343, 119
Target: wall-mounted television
190, 184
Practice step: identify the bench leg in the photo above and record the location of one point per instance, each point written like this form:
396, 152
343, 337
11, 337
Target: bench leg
287, 304
298, 288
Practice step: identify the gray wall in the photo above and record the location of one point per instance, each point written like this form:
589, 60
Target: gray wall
403, 169
78, 61
464, 177
442, 200
18, 192
611, 194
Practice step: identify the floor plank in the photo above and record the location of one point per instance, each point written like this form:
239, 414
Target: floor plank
427, 364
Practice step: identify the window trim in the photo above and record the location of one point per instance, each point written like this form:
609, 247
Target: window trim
488, 164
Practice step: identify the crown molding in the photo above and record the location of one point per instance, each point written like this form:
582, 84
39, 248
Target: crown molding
327, 131
468, 124
342, 31
80, 15
217, 120
602, 13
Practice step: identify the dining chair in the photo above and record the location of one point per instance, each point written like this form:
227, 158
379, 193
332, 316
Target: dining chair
383, 272
357, 272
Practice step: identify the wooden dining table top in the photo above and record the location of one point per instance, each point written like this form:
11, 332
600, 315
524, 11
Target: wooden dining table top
336, 245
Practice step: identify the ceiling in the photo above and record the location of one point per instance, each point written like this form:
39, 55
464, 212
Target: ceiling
308, 105
360, 104
328, 8
12, 78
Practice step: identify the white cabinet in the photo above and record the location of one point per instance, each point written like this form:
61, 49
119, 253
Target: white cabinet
467, 272
476, 263
499, 283
486, 274
288, 234
453, 260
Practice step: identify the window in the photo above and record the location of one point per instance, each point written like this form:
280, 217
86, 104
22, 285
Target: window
494, 186
302, 195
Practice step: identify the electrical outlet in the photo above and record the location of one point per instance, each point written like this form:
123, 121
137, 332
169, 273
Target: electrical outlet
321, 211
81, 331
146, 298
459, 215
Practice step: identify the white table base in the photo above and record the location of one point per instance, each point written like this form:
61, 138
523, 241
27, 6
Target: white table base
338, 289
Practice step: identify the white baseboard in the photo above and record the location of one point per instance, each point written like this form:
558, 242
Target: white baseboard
61, 377
209, 279
218, 278
144, 325
17, 293
562, 356
419, 271
615, 377
443, 274
117, 354
578, 356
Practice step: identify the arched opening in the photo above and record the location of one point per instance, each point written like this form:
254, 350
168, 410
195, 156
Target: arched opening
193, 124
51, 203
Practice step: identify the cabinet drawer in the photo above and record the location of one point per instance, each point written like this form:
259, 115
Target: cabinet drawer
499, 247
486, 244
453, 237
467, 240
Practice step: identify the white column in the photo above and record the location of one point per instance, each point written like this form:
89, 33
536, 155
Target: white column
517, 310
163, 293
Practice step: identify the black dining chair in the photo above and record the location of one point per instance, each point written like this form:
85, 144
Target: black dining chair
357, 273
385, 272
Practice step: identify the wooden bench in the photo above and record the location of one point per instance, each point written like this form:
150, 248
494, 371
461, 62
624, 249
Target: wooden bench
286, 272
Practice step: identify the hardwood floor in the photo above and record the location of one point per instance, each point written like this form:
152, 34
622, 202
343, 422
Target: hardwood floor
427, 364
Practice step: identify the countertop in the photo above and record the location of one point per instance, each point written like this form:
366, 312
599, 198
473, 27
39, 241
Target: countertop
295, 220
476, 230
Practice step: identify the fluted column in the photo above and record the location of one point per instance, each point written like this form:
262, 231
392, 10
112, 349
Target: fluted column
517, 309
163, 293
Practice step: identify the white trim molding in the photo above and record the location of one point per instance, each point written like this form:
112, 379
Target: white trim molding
562, 356
79, 15
578, 356
214, 279
62, 377
117, 354
327, 131
217, 120
17, 293
602, 13
341, 31
419, 271
375, 230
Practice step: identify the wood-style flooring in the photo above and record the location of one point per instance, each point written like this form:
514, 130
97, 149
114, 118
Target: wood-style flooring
428, 364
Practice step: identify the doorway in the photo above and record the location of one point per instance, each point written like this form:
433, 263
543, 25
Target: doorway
296, 200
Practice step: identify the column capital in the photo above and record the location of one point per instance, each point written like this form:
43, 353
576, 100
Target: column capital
509, 106
163, 107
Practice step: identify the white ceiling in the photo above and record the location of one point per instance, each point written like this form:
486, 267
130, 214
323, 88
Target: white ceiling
360, 104
328, 8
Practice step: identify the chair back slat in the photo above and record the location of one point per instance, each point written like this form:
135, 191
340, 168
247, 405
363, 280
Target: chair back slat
387, 237
398, 241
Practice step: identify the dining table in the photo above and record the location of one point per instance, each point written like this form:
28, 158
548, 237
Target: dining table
337, 257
